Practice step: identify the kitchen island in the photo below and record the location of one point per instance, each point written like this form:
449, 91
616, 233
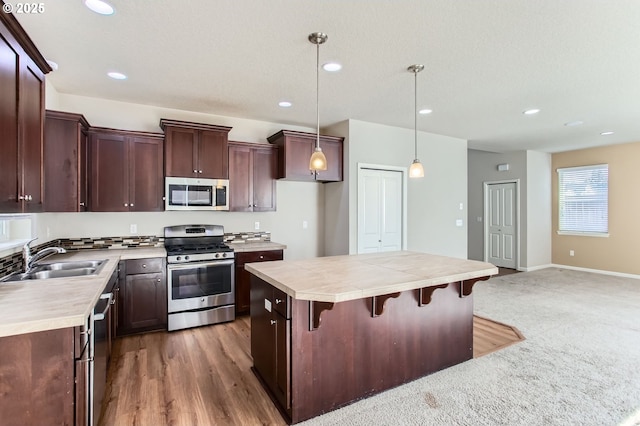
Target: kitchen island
328, 331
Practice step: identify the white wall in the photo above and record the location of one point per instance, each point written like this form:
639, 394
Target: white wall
539, 174
296, 201
336, 207
433, 201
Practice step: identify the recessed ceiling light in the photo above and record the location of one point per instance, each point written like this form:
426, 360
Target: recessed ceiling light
574, 123
607, 133
531, 111
425, 111
285, 104
332, 66
53, 65
117, 75
99, 6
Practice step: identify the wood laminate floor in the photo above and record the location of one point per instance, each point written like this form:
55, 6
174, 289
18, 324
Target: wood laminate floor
202, 376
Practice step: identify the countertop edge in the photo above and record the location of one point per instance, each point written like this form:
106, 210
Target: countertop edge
356, 293
256, 246
98, 282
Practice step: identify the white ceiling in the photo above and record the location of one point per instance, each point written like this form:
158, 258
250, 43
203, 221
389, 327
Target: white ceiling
486, 61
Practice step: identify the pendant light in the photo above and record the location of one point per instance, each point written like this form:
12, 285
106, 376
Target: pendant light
317, 161
416, 170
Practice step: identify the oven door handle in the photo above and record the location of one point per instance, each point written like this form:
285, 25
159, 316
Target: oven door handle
174, 267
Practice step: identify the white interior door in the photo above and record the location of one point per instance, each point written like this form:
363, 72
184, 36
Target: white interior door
501, 224
380, 215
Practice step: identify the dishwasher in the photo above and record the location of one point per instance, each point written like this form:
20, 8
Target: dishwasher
96, 355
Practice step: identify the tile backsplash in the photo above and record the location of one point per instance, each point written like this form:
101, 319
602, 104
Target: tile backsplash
13, 262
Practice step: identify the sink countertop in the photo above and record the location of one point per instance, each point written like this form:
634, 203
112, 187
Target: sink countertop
256, 246
39, 305
350, 277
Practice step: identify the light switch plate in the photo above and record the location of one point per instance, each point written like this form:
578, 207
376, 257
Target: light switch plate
459, 222
267, 304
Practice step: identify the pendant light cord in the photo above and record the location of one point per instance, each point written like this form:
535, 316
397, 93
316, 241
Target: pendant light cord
318, 95
415, 115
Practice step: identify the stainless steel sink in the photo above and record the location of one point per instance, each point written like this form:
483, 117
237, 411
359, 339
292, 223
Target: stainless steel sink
58, 266
58, 270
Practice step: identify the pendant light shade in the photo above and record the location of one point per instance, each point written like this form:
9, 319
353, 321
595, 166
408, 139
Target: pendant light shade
415, 170
317, 161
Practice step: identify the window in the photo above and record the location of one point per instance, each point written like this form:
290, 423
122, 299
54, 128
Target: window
15, 230
584, 200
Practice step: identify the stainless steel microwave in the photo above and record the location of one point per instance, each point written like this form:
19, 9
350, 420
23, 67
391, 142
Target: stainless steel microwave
196, 194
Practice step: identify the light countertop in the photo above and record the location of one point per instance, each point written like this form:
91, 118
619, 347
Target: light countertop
350, 277
39, 305
256, 246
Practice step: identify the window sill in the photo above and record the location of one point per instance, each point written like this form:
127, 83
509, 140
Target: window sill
584, 234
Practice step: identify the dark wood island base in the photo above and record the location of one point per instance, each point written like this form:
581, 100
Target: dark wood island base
314, 357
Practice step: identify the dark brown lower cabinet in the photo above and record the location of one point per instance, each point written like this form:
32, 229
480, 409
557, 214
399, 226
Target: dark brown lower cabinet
271, 340
313, 357
40, 380
142, 296
243, 278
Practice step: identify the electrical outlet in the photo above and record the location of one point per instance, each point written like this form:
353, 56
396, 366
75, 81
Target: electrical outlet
572, 253
305, 224
256, 225
133, 228
461, 206
459, 222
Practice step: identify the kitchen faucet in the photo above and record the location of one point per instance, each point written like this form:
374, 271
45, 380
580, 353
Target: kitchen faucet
30, 260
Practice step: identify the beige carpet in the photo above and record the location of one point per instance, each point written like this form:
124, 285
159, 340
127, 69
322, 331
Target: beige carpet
580, 364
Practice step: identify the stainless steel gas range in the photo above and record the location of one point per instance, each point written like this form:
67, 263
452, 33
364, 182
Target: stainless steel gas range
200, 276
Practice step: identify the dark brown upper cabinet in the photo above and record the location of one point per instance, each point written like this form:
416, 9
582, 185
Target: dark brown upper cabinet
65, 162
195, 149
126, 171
22, 70
252, 177
294, 152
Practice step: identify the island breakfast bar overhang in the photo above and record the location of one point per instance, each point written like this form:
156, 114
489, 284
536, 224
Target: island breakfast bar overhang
328, 331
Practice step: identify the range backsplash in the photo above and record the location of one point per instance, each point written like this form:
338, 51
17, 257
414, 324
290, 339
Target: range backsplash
13, 262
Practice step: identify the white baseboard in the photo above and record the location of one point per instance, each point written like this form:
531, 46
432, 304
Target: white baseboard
535, 268
597, 271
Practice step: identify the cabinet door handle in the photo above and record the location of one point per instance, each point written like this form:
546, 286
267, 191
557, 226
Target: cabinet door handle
131, 205
278, 301
126, 204
273, 322
144, 265
158, 279
21, 197
29, 198
195, 171
261, 257
81, 204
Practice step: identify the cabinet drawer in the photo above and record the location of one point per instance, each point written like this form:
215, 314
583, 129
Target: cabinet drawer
281, 302
258, 256
144, 266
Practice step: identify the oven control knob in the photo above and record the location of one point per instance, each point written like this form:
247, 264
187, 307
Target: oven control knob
217, 255
186, 258
178, 258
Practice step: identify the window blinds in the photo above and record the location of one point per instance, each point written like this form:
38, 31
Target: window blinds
584, 199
